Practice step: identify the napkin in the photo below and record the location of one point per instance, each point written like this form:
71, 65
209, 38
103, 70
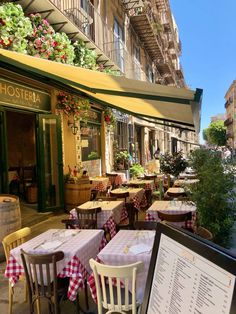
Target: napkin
51, 244
140, 248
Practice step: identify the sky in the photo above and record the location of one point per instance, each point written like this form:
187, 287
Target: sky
207, 30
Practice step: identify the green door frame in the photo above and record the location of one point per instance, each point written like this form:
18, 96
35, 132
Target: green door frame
41, 164
4, 188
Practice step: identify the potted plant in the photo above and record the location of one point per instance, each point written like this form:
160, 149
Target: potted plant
109, 117
93, 155
121, 160
136, 170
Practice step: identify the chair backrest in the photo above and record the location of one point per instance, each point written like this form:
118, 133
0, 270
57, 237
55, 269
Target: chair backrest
204, 233
175, 217
15, 239
106, 198
132, 212
122, 195
41, 276
79, 224
150, 176
112, 178
111, 299
145, 225
86, 215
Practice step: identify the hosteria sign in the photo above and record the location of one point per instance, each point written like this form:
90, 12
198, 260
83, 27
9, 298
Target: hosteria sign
23, 96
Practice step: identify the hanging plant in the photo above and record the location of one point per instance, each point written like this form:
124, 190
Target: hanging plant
63, 49
73, 105
84, 57
14, 27
109, 117
41, 43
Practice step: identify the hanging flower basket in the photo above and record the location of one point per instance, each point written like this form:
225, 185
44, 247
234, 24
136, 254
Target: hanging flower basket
73, 105
109, 117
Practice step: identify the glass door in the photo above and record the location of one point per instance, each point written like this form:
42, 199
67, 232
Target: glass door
50, 166
3, 154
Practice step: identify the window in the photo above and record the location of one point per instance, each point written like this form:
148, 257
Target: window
122, 135
149, 73
119, 44
91, 143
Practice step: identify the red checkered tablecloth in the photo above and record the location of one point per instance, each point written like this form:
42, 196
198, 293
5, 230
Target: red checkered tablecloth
172, 207
112, 213
75, 265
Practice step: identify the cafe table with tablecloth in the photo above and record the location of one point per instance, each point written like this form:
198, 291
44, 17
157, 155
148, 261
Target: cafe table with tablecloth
184, 182
127, 247
172, 207
111, 214
78, 247
137, 195
146, 184
99, 183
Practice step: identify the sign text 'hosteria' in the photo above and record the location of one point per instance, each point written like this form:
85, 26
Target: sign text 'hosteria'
23, 96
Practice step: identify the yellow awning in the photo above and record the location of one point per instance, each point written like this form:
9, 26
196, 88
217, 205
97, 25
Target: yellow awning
179, 105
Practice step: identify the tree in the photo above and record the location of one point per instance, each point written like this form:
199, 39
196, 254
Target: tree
215, 134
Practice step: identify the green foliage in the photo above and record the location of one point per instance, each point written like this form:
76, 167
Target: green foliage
84, 57
14, 27
213, 194
204, 135
109, 117
121, 160
107, 70
63, 49
93, 155
136, 170
173, 164
216, 133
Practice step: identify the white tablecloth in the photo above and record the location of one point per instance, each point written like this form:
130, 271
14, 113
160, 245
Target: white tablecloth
117, 252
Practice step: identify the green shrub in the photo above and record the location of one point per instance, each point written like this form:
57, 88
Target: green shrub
136, 170
93, 155
173, 164
213, 194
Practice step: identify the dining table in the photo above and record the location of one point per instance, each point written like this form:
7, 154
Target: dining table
185, 182
99, 183
146, 184
111, 214
137, 195
172, 207
176, 192
78, 247
127, 247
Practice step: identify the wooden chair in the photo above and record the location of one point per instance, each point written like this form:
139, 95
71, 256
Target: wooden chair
88, 217
204, 233
78, 224
145, 225
112, 178
150, 177
10, 242
116, 299
122, 195
176, 218
132, 216
106, 198
42, 282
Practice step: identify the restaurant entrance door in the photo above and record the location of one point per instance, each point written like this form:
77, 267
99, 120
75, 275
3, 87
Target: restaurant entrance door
31, 158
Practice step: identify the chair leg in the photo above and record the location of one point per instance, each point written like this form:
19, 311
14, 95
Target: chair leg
26, 292
38, 306
10, 292
86, 294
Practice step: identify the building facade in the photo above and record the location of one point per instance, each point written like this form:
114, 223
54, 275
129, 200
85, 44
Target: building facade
230, 105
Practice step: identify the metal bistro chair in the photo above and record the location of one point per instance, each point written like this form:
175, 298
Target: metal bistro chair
176, 218
116, 299
10, 242
88, 217
128, 223
42, 282
79, 224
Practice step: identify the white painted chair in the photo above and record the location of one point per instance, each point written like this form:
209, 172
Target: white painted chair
116, 298
10, 242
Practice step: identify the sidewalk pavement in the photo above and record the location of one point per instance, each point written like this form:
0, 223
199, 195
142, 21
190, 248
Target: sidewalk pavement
21, 307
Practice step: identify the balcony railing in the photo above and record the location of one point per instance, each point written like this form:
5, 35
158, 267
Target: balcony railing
91, 24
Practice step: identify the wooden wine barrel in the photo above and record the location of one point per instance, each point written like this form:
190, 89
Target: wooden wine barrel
77, 194
10, 217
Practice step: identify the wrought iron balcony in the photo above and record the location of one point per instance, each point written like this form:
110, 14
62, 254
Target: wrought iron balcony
147, 27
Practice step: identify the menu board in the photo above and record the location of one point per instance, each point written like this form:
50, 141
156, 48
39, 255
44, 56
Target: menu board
183, 281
